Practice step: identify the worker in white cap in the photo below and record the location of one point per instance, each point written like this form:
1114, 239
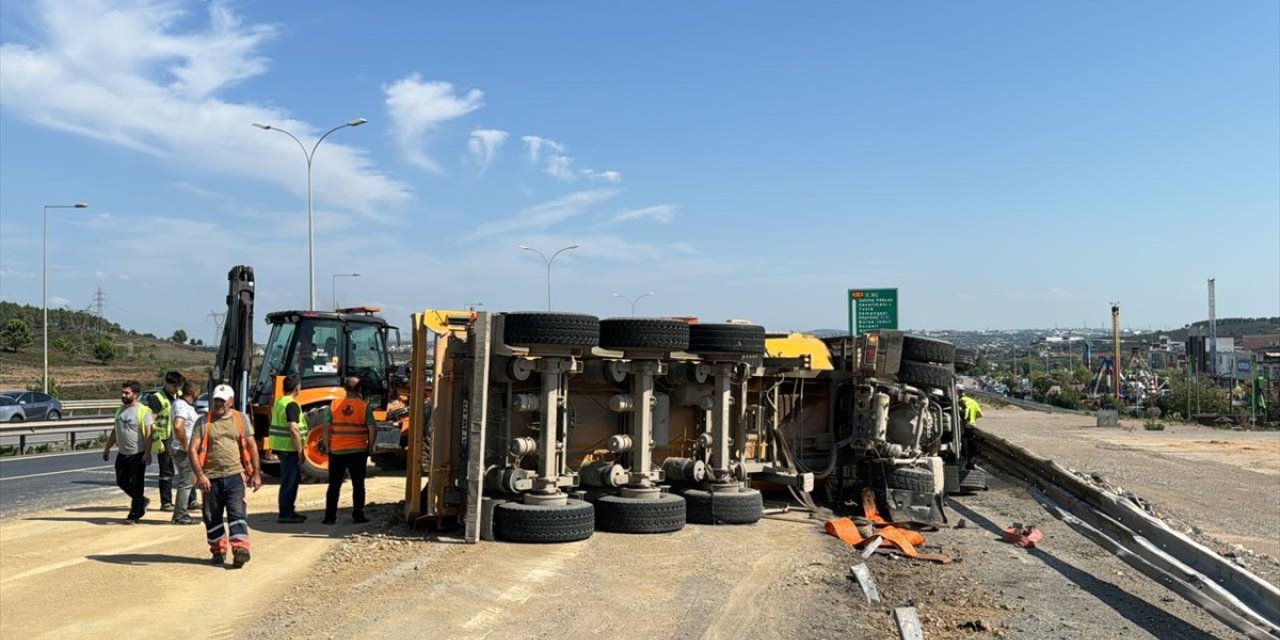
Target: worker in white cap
224, 456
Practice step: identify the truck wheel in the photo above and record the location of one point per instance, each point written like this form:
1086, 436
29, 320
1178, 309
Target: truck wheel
919, 374
966, 359
726, 338
663, 514
541, 523
923, 349
622, 334
391, 461
745, 506
529, 329
315, 465
973, 480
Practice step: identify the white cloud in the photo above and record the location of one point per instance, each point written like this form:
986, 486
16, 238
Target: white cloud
418, 108
560, 167
548, 213
606, 176
536, 143
483, 145
146, 75
662, 213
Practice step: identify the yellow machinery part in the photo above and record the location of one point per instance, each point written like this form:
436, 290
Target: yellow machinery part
796, 345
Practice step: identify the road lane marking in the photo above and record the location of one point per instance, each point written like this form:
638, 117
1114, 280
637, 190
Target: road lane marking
54, 473
42, 456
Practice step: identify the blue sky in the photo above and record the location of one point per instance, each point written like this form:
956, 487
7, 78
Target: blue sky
1005, 164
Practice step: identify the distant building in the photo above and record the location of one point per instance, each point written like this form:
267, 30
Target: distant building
1260, 343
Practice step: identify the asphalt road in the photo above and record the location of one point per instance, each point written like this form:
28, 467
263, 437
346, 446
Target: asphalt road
52, 481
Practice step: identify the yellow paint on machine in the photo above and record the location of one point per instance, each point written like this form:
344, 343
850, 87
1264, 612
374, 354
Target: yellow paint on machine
796, 345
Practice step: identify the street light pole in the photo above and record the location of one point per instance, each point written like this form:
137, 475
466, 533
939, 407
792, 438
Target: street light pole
633, 302
333, 285
548, 262
310, 155
45, 270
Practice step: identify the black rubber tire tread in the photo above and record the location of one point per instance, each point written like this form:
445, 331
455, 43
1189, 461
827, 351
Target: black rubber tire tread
906, 478
921, 374
53, 415
726, 338
745, 506
619, 514
923, 349
544, 523
390, 461
966, 359
534, 329
660, 334
312, 474
973, 480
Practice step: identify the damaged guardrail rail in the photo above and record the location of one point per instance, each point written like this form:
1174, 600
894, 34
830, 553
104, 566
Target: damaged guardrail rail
1230, 593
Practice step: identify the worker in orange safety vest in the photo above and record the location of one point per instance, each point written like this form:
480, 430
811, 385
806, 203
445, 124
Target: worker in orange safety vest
348, 440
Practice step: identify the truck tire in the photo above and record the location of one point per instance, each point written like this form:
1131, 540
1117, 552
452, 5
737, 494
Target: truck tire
531, 329
745, 506
923, 349
663, 514
622, 334
882, 477
726, 338
543, 523
919, 374
973, 480
390, 461
966, 359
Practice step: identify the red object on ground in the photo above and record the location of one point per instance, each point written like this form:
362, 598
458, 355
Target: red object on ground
1025, 538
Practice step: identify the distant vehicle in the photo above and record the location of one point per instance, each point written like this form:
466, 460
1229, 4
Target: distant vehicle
202, 404
40, 406
10, 410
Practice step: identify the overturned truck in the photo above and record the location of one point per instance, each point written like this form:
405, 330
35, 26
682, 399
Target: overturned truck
545, 427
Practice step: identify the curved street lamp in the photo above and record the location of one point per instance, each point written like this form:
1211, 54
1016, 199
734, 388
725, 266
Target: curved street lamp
633, 301
310, 155
45, 269
549, 261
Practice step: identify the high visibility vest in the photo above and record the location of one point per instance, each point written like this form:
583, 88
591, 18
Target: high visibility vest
971, 410
143, 410
279, 436
202, 449
349, 432
164, 422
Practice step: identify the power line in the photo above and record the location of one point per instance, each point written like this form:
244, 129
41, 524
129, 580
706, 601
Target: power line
217, 319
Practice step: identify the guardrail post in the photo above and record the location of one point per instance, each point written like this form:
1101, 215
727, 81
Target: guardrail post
73, 440
22, 445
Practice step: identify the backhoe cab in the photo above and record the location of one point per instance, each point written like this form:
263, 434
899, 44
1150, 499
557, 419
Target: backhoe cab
322, 348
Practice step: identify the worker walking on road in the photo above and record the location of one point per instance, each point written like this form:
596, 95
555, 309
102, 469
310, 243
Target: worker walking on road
184, 422
224, 455
133, 428
287, 435
161, 404
348, 441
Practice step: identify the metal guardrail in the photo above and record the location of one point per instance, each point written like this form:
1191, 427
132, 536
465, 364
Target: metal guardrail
1030, 405
1230, 593
89, 405
68, 428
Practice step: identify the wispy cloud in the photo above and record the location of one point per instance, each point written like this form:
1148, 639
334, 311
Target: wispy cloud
560, 167
604, 176
145, 75
417, 108
662, 213
535, 144
483, 145
547, 214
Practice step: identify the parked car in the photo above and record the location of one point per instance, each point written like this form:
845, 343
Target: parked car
10, 410
40, 406
202, 404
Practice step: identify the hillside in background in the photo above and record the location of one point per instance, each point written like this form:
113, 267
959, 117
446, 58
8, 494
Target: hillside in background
73, 368
1227, 327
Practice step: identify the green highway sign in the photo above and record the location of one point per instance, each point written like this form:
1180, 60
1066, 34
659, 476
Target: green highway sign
872, 309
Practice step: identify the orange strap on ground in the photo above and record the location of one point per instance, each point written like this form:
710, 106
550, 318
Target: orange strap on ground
904, 540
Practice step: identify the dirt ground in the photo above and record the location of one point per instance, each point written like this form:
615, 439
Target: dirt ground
781, 578
1220, 486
